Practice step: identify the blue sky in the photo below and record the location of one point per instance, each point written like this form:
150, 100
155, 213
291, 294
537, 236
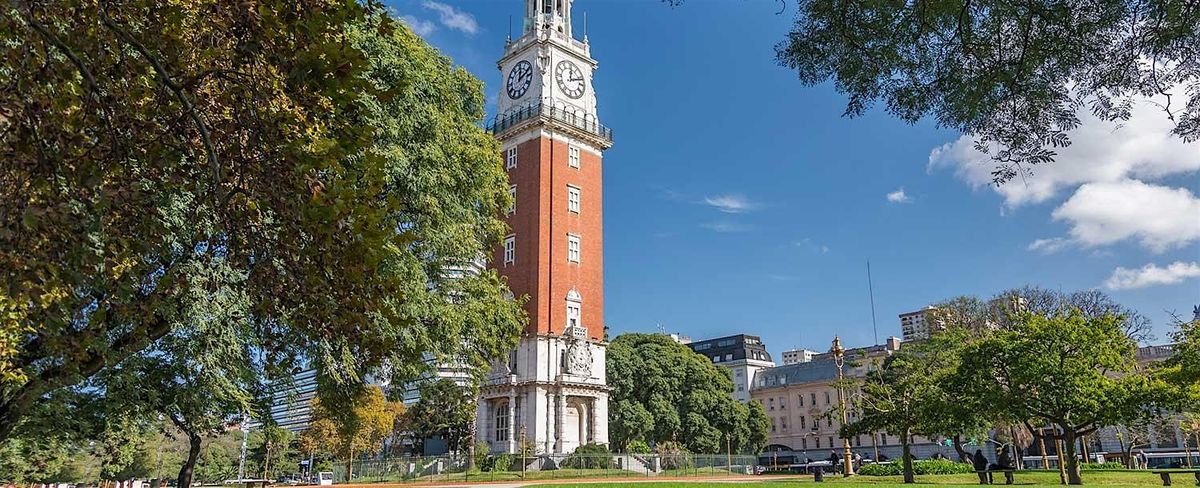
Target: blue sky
739, 201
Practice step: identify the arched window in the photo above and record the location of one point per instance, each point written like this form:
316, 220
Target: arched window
502, 420
574, 309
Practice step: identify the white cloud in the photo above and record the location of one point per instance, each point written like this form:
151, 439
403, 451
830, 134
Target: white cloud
1140, 148
1151, 274
1159, 217
898, 196
730, 203
453, 18
725, 227
809, 245
419, 26
1049, 246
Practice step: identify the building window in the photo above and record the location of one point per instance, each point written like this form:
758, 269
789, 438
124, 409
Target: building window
572, 248
883, 439
572, 199
573, 309
782, 405
502, 421
804, 444
783, 423
511, 160
729, 357
772, 403
818, 440
803, 423
800, 398
716, 359
741, 388
573, 157
510, 250
827, 398
813, 397
512, 193
831, 444
829, 422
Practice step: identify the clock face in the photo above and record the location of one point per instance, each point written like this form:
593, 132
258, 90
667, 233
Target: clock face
570, 79
519, 79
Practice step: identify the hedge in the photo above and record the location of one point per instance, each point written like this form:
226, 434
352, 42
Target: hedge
922, 467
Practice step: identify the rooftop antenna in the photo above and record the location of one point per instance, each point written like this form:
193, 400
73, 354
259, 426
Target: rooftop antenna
585, 32
871, 290
508, 39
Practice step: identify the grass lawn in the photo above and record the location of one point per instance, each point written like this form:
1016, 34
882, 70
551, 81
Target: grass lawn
1023, 478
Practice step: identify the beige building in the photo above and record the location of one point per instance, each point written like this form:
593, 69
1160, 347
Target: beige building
801, 401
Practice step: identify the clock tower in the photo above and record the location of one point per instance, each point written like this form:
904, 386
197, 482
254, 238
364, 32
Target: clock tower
551, 392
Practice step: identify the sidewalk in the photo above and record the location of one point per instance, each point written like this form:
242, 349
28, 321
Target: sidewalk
571, 481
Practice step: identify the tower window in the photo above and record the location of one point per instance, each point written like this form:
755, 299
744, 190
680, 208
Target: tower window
572, 248
511, 160
572, 199
573, 312
510, 250
573, 157
512, 193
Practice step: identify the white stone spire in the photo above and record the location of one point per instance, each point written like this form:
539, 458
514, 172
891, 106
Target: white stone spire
552, 15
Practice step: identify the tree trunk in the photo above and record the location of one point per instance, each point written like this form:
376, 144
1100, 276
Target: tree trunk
1042, 447
184, 480
963, 455
349, 465
1071, 464
906, 457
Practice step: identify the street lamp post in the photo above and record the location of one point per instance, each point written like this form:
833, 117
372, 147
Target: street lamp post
839, 359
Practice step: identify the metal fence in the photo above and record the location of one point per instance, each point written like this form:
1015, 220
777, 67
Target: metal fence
559, 466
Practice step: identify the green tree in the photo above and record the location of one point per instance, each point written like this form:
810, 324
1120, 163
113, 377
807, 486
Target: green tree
273, 452
905, 396
329, 157
1071, 371
445, 410
663, 391
1012, 74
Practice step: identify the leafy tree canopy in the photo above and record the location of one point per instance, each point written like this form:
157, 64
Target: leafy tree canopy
663, 391
1069, 370
446, 410
325, 156
1013, 74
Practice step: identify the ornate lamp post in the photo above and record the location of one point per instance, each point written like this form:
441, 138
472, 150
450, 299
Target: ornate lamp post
839, 359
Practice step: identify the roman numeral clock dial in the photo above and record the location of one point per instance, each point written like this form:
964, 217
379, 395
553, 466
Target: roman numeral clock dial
519, 79
570, 79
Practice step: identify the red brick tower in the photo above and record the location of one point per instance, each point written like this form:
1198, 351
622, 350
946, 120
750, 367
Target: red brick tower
552, 145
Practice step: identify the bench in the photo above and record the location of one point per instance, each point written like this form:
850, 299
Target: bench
987, 474
1165, 474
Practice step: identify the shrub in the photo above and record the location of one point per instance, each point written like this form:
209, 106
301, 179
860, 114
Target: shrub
1105, 465
941, 466
638, 447
501, 462
927, 466
877, 469
673, 455
592, 456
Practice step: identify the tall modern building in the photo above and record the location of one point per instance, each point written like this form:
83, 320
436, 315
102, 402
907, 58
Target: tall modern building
915, 326
743, 355
291, 401
552, 391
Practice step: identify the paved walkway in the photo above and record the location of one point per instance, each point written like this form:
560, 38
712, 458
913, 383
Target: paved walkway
570, 481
